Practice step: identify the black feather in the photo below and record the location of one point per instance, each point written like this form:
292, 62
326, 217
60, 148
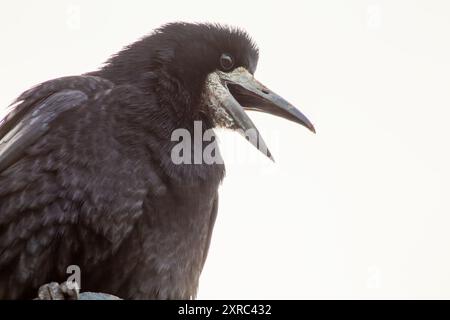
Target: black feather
86, 176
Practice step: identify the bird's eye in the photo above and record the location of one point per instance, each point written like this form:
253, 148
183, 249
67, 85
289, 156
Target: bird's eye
226, 62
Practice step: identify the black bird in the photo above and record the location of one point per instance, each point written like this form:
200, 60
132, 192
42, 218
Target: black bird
87, 175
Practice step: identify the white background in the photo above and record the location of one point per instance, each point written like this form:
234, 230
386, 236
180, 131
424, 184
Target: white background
360, 210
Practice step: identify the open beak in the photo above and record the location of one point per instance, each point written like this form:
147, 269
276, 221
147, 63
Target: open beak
238, 90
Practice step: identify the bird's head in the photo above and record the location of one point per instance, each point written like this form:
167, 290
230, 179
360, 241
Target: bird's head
212, 68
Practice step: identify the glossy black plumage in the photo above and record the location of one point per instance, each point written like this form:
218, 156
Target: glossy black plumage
86, 174
93, 184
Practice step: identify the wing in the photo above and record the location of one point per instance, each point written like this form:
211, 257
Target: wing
39, 198
35, 109
72, 186
34, 124
27, 101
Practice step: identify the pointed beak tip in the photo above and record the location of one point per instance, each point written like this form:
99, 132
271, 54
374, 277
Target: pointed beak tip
272, 158
269, 155
308, 125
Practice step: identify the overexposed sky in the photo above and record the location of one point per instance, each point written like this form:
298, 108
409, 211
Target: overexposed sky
359, 210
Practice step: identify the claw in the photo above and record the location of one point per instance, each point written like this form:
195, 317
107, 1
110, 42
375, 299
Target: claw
55, 291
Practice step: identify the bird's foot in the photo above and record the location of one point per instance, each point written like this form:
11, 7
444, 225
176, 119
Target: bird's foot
56, 291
